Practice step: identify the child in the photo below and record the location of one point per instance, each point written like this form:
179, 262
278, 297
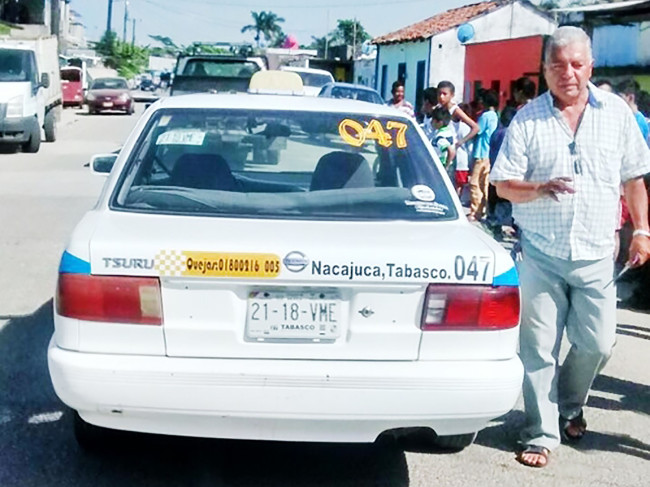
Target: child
446, 91
463, 151
443, 140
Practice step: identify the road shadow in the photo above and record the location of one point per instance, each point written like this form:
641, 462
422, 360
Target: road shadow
609, 442
502, 433
633, 396
38, 445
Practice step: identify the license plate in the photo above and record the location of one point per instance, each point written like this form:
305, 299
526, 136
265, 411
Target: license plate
108, 104
302, 315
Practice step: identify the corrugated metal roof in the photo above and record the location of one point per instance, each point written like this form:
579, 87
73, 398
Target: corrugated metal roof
438, 23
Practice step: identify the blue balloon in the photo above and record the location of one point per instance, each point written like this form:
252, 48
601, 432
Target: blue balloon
465, 32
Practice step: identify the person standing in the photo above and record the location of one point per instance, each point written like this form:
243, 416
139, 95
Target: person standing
628, 90
563, 158
429, 102
479, 182
443, 139
462, 130
446, 91
523, 91
398, 101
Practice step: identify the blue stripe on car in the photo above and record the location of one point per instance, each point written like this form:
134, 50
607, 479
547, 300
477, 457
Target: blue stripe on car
509, 278
73, 265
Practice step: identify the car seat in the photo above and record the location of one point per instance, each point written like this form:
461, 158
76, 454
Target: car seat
339, 169
203, 171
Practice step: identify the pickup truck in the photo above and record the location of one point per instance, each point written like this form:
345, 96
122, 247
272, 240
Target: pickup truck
212, 73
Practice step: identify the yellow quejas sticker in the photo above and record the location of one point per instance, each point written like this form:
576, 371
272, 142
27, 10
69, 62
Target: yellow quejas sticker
217, 264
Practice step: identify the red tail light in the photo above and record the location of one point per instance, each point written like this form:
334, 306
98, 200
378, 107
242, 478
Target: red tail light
112, 299
449, 307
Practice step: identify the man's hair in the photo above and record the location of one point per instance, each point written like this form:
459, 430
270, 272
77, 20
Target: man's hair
442, 115
628, 86
562, 37
490, 98
526, 86
430, 94
507, 114
396, 85
447, 84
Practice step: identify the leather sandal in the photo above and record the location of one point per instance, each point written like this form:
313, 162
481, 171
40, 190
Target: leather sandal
573, 429
534, 450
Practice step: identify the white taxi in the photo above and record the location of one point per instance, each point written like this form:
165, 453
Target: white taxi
282, 268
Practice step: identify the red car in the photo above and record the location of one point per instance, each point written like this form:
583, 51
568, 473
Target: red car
109, 94
72, 86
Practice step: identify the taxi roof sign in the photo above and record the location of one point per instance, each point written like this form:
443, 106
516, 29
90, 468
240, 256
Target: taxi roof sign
276, 82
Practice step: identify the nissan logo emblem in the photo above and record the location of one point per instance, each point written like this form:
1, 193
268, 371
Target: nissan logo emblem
295, 261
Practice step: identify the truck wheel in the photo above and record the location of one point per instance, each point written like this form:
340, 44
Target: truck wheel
34, 142
50, 126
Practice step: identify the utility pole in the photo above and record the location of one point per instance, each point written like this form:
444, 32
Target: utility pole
354, 39
133, 34
110, 15
126, 19
327, 33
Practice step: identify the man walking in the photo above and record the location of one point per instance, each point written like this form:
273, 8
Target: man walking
564, 157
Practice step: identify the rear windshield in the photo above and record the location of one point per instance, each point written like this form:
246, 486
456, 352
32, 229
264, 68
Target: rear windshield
282, 164
314, 79
109, 84
73, 75
356, 94
220, 67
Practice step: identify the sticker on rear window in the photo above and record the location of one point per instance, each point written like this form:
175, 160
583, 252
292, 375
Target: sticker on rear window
181, 137
217, 264
428, 207
423, 192
355, 134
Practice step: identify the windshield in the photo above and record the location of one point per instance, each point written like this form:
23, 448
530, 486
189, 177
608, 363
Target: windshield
314, 79
109, 84
282, 164
220, 67
15, 65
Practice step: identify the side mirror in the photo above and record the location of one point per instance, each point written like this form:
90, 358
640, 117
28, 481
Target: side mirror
45, 80
102, 163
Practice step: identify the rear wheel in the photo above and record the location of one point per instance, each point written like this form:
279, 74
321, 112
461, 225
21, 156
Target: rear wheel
50, 126
453, 442
34, 142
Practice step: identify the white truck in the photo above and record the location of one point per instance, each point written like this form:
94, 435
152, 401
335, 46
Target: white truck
30, 91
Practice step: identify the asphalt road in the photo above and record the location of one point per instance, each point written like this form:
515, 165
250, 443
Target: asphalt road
43, 195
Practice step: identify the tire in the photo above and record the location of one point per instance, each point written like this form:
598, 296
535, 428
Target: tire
91, 110
49, 126
453, 443
34, 143
131, 109
90, 438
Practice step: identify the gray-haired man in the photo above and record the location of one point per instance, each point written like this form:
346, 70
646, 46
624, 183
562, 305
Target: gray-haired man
562, 162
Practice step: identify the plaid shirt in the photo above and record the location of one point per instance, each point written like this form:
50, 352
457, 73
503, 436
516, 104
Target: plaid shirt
607, 149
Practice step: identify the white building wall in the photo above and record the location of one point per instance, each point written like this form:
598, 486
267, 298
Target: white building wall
364, 71
447, 60
644, 44
394, 54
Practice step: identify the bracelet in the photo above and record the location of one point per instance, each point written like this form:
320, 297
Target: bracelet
643, 233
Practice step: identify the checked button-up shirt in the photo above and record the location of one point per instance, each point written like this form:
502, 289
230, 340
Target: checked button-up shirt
606, 149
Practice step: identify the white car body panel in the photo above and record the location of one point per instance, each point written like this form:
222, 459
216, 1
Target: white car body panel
199, 374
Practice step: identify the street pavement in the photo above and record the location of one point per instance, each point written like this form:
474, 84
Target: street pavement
43, 195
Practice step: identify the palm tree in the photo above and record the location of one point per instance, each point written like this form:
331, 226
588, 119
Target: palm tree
266, 24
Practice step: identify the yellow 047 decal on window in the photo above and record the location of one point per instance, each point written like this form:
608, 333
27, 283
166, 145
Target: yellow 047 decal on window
217, 264
354, 133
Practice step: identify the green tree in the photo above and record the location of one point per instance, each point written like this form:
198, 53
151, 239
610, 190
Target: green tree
264, 24
128, 60
349, 32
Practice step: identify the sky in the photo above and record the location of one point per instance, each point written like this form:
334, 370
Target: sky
187, 21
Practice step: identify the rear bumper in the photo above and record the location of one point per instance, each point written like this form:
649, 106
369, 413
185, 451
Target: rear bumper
291, 400
15, 130
115, 105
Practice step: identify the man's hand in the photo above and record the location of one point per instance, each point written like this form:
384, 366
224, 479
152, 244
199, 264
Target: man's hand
639, 251
556, 186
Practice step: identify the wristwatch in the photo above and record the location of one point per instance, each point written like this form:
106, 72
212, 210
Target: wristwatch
643, 233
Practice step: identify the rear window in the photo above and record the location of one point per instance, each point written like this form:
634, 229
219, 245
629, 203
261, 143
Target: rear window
282, 164
356, 94
220, 67
109, 84
73, 75
314, 79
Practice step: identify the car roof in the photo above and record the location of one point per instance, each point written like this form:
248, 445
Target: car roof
248, 101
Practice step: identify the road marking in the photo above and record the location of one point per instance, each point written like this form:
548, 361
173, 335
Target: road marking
45, 417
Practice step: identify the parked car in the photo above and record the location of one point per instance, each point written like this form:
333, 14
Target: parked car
147, 84
312, 79
352, 92
72, 86
109, 94
241, 279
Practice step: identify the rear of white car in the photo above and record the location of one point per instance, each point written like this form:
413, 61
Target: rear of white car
271, 299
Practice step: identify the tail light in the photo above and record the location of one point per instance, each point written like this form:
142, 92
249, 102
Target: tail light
114, 299
449, 307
